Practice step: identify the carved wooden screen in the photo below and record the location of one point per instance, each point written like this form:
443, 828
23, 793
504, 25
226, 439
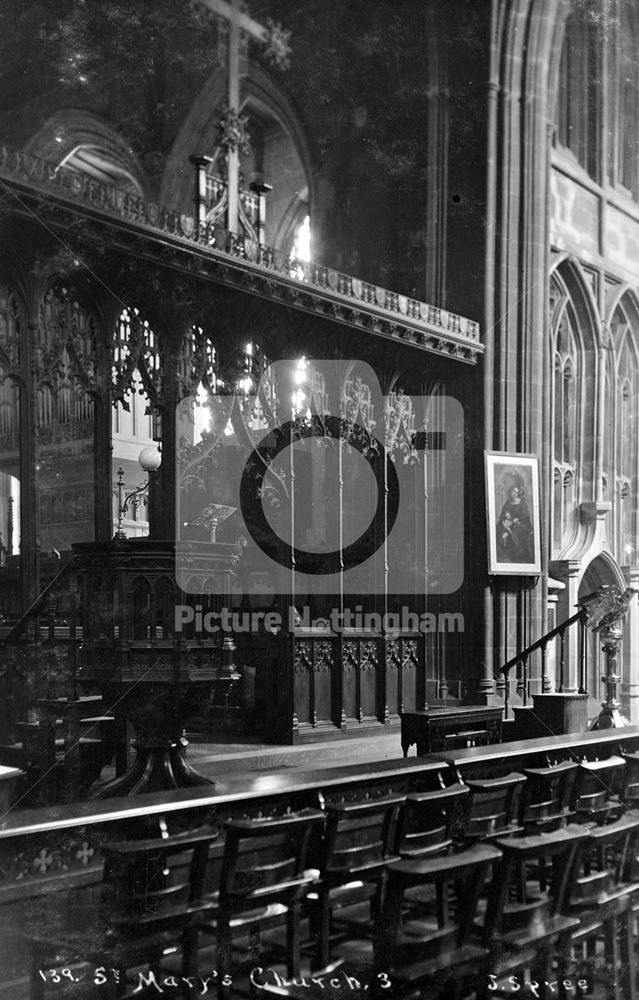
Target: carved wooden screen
65, 382
10, 377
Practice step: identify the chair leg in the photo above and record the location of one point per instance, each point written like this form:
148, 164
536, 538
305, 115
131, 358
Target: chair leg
564, 963
293, 940
320, 930
612, 950
629, 960
190, 941
224, 957
541, 973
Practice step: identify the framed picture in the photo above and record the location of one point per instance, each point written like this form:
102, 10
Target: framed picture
512, 505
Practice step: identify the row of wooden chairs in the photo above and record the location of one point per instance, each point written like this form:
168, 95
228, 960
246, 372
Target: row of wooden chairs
165, 889
534, 800
545, 935
461, 939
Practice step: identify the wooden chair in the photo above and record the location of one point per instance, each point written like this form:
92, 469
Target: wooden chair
547, 795
525, 927
148, 901
432, 822
265, 876
494, 807
358, 846
546, 805
630, 793
602, 894
436, 956
596, 791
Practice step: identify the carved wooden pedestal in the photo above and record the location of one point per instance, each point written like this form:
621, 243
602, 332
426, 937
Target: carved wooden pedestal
147, 669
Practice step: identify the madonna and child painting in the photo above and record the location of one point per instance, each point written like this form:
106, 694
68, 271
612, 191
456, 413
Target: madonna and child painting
512, 501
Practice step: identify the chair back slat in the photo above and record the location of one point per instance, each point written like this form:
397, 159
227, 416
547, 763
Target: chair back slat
597, 788
152, 878
264, 853
432, 822
494, 806
360, 835
547, 795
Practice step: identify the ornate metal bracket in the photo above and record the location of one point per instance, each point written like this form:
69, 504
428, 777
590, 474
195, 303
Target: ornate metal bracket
127, 501
605, 611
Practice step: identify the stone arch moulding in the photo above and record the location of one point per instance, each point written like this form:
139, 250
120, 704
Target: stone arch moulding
602, 569
576, 294
568, 268
571, 572
624, 294
70, 129
294, 215
261, 87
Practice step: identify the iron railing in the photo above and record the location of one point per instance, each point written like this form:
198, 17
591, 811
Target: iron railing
522, 660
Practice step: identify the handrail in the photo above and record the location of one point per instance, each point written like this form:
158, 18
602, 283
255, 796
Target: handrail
18, 628
522, 657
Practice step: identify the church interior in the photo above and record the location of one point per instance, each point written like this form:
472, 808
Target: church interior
319, 498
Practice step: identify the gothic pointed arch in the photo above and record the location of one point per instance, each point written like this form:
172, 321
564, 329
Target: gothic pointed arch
622, 427
278, 153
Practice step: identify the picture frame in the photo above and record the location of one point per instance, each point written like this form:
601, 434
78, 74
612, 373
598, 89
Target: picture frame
512, 514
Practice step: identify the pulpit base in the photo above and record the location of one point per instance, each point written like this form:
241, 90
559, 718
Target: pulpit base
609, 718
157, 768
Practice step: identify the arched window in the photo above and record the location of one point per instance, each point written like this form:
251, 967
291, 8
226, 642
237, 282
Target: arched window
197, 362
273, 158
137, 386
624, 418
579, 90
136, 347
597, 107
624, 109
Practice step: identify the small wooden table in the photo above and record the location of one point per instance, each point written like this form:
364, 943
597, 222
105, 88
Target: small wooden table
480, 724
